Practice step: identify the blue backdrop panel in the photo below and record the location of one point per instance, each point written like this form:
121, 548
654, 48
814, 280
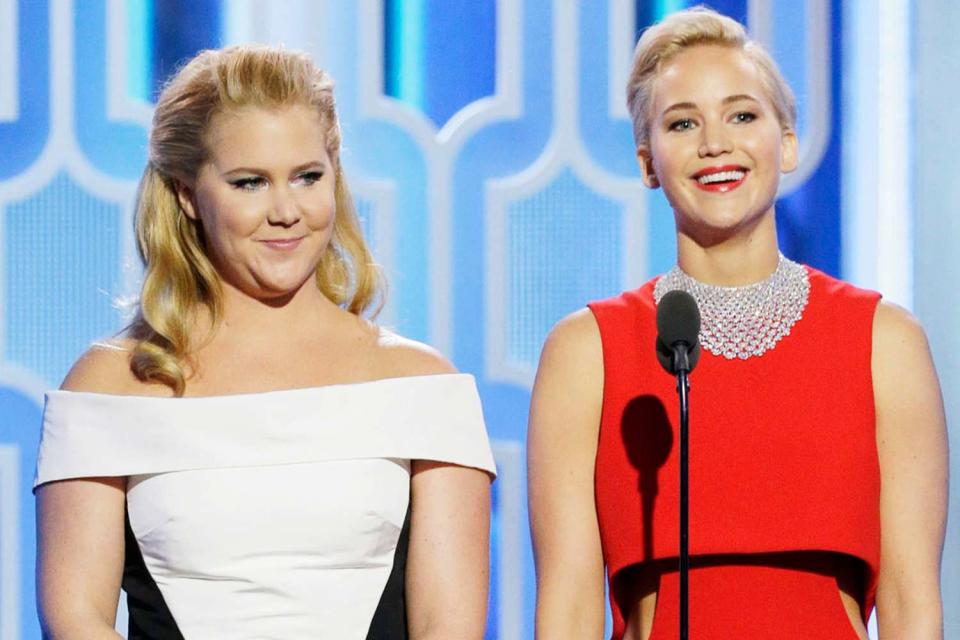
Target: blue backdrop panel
808, 220
439, 57
63, 252
564, 248
117, 149
23, 140
180, 29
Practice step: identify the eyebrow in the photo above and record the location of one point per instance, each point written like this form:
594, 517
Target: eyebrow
681, 106
306, 165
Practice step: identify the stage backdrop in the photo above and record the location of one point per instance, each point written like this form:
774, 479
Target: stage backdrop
489, 150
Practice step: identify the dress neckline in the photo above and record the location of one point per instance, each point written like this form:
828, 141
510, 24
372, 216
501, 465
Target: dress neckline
438, 377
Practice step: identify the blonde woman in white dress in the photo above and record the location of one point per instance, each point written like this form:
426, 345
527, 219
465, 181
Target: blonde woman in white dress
256, 458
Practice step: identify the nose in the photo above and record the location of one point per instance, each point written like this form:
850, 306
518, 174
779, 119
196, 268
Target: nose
285, 211
714, 140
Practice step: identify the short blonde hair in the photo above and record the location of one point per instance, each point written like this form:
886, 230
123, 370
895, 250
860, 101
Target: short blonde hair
691, 27
179, 276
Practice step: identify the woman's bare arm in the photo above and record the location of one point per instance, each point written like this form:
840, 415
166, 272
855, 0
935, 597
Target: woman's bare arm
448, 560
561, 452
912, 447
80, 551
80, 528
449, 557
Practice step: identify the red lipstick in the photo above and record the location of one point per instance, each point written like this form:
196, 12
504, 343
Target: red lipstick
722, 179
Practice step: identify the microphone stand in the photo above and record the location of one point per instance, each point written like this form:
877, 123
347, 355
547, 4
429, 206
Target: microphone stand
682, 367
678, 349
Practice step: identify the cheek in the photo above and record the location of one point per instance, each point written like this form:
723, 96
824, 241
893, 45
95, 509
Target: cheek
767, 147
671, 177
667, 162
324, 207
773, 160
229, 217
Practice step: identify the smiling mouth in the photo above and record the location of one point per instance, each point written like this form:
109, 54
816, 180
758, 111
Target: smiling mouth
283, 244
720, 179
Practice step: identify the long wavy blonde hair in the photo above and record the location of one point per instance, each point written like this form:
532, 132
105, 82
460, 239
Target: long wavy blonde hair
179, 278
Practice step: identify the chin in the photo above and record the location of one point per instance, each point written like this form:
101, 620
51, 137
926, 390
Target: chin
726, 224
278, 288
713, 230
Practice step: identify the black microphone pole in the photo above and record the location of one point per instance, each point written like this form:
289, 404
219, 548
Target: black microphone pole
678, 349
683, 389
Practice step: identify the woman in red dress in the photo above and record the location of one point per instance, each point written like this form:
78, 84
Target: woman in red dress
818, 466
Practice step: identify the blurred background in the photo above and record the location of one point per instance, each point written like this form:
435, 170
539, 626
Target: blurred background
491, 156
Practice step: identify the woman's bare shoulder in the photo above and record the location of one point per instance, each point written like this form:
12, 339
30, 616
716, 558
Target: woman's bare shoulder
904, 376
574, 345
103, 368
578, 330
895, 328
900, 348
398, 356
570, 375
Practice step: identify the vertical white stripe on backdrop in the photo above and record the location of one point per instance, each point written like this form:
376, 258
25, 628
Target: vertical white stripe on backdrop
895, 138
295, 24
10, 565
877, 225
9, 61
860, 144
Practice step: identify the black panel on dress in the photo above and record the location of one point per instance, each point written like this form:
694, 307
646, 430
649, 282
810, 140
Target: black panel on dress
390, 619
150, 619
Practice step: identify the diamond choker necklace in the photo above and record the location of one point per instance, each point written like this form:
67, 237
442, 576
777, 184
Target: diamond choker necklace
742, 322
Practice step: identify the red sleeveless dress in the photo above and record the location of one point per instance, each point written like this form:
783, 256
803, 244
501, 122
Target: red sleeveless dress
783, 461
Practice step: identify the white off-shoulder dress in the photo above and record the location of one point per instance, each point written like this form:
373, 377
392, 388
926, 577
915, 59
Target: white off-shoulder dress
267, 515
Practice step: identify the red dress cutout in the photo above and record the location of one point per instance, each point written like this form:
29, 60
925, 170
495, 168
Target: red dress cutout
783, 459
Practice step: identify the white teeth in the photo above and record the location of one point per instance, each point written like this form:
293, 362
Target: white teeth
722, 176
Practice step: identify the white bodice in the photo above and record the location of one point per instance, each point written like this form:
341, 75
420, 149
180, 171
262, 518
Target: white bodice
268, 515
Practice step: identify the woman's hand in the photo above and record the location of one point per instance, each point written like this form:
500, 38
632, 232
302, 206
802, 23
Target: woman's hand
448, 562
912, 448
561, 453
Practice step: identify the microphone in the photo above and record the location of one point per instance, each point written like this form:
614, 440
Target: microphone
678, 349
678, 326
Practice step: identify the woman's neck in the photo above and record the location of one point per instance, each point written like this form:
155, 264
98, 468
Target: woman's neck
738, 260
242, 313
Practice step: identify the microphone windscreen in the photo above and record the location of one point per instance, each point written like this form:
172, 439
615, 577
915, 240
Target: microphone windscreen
665, 357
678, 318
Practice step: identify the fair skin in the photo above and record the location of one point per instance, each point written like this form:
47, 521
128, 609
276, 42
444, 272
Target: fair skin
722, 122
711, 115
266, 201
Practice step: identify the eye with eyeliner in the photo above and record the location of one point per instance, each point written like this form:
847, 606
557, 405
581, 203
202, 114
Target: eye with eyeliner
743, 117
255, 183
309, 177
682, 124
248, 183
